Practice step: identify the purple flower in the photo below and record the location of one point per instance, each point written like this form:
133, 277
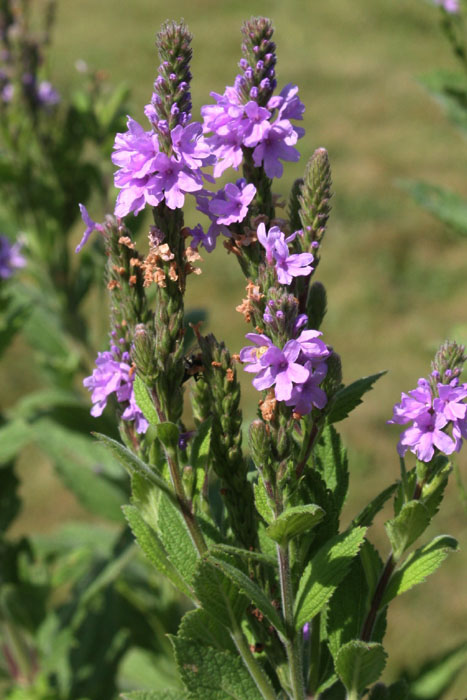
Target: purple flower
230, 205
112, 375
91, 226
424, 435
290, 266
257, 123
10, 257
208, 239
268, 240
276, 144
289, 106
434, 408
305, 396
312, 347
274, 366
190, 147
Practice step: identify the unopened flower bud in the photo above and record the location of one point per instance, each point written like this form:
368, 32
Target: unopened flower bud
317, 304
143, 354
333, 381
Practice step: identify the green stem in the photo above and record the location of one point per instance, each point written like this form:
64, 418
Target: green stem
315, 642
256, 671
292, 643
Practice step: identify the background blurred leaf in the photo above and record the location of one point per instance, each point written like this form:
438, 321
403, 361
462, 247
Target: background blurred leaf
449, 89
447, 206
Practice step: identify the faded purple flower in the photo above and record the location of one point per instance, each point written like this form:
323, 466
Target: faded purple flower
47, 94
91, 226
451, 6
10, 257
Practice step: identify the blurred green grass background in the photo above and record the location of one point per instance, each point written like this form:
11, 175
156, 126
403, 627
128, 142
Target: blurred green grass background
396, 279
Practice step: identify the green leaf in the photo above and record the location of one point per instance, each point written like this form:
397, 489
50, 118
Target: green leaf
201, 445
350, 397
176, 538
134, 465
13, 437
407, 526
372, 565
396, 691
153, 548
262, 501
347, 608
168, 434
199, 625
247, 554
293, 522
154, 695
360, 663
437, 675
366, 516
324, 573
10, 502
211, 674
84, 467
330, 458
418, 565
218, 594
144, 401
447, 206
252, 591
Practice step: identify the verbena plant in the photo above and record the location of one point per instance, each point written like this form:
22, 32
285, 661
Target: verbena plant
287, 604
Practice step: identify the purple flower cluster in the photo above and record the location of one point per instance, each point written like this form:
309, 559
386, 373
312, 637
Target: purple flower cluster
223, 208
10, 257
277, 253
113, 375
295, 371
146, 175
434, 409
268, 130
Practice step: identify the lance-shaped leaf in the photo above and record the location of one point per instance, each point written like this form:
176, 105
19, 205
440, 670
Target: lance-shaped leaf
262, 502
246, 554
448, 89
324, 573
360, 663
447, 206
350, 396
252, 591
437, 675
176, 538
211, 674
406, 527
13, 437
154, 549
134, 465
330, 458
418, 565
293, 522
201, 445
144, 401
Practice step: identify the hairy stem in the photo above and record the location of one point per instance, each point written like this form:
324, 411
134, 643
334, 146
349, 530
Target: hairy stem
255, 669
292, 643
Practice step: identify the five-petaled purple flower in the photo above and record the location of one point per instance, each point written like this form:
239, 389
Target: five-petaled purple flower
434, 409
277, 252
10, 257
230, 205
113, 375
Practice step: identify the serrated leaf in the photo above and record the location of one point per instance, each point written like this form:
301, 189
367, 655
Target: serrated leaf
153, 548
199, 625
330, 458
372, 565
293, 522
134, 465
407, 526
447, 206
144, 402
418, 565
324, 573
176, 538
347, 608
168, 434
218, 594
211, 674
252, 591
360, 663
350, 397
262, 502
13, 437
366, 516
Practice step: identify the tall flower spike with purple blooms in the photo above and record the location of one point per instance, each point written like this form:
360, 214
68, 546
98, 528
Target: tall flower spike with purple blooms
436, 409
163, 163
